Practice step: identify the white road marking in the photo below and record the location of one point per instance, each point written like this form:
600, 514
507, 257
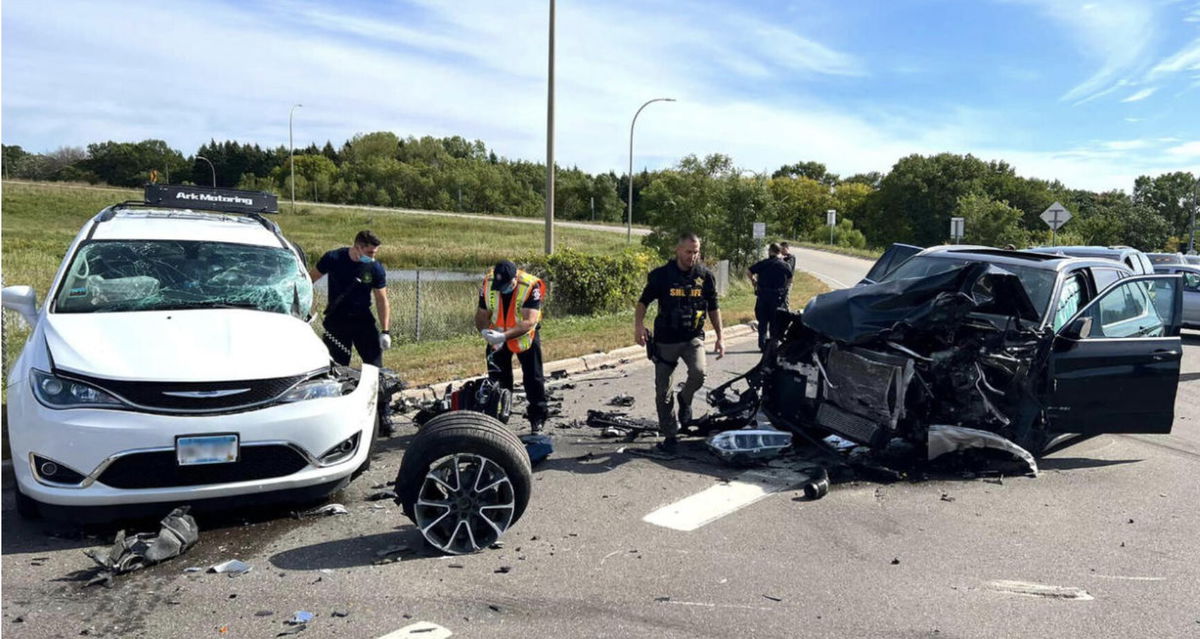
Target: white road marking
422, 629
829, 278
713, 503
1028, 589
704, 604
1131, 578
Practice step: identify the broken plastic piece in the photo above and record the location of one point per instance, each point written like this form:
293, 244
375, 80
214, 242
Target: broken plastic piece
538, 447
231, 567
946, 439
134, 552
623, 399
327, 510
301, 616
749, 444
381, 495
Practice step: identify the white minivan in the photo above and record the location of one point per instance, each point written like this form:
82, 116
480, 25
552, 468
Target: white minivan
173, 361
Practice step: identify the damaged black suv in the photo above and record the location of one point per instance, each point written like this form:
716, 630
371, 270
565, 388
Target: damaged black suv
962, 342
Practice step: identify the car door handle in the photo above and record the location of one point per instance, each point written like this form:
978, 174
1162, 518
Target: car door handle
1163, 353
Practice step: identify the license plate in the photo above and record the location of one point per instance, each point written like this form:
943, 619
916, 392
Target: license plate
206, 449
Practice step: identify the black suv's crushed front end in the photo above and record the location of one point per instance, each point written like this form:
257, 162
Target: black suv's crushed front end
922, 360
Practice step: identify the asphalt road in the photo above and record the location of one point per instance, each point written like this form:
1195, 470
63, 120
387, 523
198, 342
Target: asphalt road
1113, 516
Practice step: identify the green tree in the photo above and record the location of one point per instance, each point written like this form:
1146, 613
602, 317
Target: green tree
130, 163
990, 223
1170, 196
811, 170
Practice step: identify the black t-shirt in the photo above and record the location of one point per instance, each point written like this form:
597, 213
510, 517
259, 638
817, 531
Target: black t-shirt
684, 298
772, 273
351, 283
790, 260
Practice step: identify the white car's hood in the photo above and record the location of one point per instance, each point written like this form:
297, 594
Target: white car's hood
199, 345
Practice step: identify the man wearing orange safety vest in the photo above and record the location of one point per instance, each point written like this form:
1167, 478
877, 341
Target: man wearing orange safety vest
510, 309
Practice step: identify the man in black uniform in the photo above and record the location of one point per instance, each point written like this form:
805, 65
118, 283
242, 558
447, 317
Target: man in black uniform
771, 279
354, 277
686, 293
509, 331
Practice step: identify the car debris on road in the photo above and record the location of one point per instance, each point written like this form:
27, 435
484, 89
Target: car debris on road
128, 553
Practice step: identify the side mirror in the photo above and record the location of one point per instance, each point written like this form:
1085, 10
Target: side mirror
21, 299
1078, 329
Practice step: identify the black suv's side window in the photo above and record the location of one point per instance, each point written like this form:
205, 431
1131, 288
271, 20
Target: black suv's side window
1071, 297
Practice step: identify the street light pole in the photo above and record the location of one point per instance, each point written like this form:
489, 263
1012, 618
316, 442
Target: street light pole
550, 140
292, 154
629, 216
1192, 225
211, 168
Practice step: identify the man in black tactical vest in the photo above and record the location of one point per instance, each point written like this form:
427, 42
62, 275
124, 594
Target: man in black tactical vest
686, 293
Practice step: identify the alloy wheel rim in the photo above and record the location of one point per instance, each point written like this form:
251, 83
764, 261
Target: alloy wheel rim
466, 503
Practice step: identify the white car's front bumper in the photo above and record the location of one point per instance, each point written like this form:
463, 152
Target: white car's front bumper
135, 449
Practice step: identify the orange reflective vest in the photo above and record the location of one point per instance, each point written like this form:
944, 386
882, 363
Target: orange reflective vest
527, 285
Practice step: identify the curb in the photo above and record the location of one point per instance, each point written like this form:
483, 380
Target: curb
584, 363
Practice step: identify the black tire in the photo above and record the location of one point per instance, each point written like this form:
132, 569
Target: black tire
474, 436
27, 507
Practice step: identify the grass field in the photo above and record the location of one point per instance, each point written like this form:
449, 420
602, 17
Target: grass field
867, 253
40, 220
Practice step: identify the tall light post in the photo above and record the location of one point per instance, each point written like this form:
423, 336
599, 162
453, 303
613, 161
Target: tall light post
211, 168
1192, 224
550, 140
629, 215
292, 154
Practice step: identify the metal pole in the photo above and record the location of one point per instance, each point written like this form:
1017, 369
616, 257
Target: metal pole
1192, 224
211, 168
629, 216
292, 154
550, 141
417, 321
593, 205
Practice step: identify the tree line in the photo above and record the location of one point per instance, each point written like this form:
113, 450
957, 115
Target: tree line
912, 203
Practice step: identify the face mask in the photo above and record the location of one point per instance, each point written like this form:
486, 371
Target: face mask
365, 259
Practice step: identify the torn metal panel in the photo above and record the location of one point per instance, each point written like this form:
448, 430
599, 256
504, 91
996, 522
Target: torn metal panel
128, 553
936, 303
944, 439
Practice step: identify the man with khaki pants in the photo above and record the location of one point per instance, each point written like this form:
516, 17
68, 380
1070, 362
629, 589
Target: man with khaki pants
686, 293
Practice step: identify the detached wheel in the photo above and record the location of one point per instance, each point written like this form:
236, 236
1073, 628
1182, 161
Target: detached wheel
464, 480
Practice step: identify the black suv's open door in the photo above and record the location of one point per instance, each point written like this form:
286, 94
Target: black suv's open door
894, 256
1114, 367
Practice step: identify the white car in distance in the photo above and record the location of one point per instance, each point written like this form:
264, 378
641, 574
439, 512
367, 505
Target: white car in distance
173, 363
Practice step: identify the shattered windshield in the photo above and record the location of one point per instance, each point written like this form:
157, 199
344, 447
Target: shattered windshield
147, 275
1038, 283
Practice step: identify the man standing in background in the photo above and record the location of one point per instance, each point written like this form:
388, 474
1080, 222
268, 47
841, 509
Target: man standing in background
785, 252
771, 278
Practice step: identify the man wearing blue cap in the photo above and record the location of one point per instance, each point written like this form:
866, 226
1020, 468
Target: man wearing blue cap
508, 317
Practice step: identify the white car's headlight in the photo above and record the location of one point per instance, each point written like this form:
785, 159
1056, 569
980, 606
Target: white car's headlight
58, 392
315, 389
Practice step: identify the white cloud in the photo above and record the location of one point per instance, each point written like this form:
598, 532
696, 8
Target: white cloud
1118, 35
189, 71
1186, 59
1186, 150
1141, 95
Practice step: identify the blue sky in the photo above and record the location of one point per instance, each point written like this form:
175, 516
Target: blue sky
1091, 92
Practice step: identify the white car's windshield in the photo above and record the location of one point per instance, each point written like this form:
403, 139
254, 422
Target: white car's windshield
144, 275
1038, 283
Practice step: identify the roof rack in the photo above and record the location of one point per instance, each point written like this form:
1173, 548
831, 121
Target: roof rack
251, 204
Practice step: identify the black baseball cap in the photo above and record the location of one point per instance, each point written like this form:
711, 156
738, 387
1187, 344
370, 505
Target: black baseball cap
504, 272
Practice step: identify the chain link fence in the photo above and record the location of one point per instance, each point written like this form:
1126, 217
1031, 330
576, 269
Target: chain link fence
426, 305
